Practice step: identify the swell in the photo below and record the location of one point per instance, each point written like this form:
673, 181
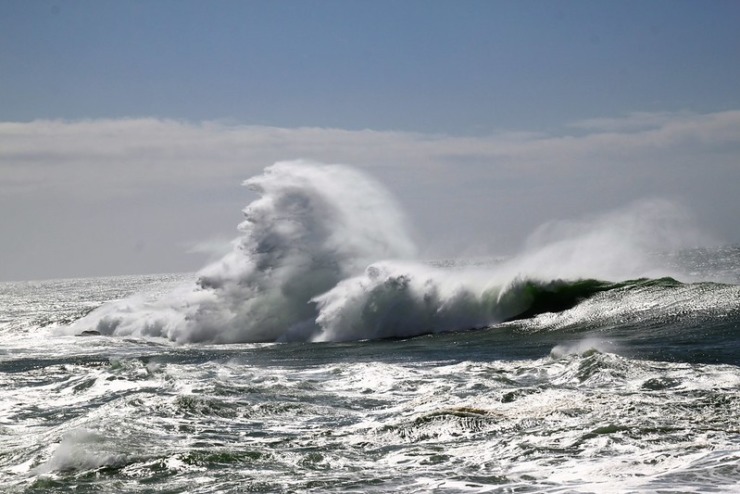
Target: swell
554, 296
660, 319
542, 297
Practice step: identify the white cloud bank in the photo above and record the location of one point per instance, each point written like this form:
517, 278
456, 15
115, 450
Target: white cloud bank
110, 196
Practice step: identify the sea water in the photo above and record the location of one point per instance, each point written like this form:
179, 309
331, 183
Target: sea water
321, 355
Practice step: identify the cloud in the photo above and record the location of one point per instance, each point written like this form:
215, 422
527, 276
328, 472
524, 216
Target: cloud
113, 156
636, 121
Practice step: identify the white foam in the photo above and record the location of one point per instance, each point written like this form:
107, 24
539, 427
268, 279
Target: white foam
80, 449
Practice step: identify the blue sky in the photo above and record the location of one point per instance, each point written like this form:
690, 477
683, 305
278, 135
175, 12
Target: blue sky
433, 66
136, 121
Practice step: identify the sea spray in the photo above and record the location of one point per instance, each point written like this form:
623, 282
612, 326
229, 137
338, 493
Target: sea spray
312, 226
616, 245
324, 254
82, 449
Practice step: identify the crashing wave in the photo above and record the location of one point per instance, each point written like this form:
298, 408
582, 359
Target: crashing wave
324, 254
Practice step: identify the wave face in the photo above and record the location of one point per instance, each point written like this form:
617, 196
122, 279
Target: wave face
402, 299
325, 255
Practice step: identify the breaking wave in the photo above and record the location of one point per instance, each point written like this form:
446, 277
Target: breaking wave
324, 254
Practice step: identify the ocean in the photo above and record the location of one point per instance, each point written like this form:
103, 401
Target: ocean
320, 355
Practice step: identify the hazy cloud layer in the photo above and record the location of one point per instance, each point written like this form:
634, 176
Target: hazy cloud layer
132, 195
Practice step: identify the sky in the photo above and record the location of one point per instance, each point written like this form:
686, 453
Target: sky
127, 127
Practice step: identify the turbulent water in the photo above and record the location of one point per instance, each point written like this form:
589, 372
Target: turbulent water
321, 355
